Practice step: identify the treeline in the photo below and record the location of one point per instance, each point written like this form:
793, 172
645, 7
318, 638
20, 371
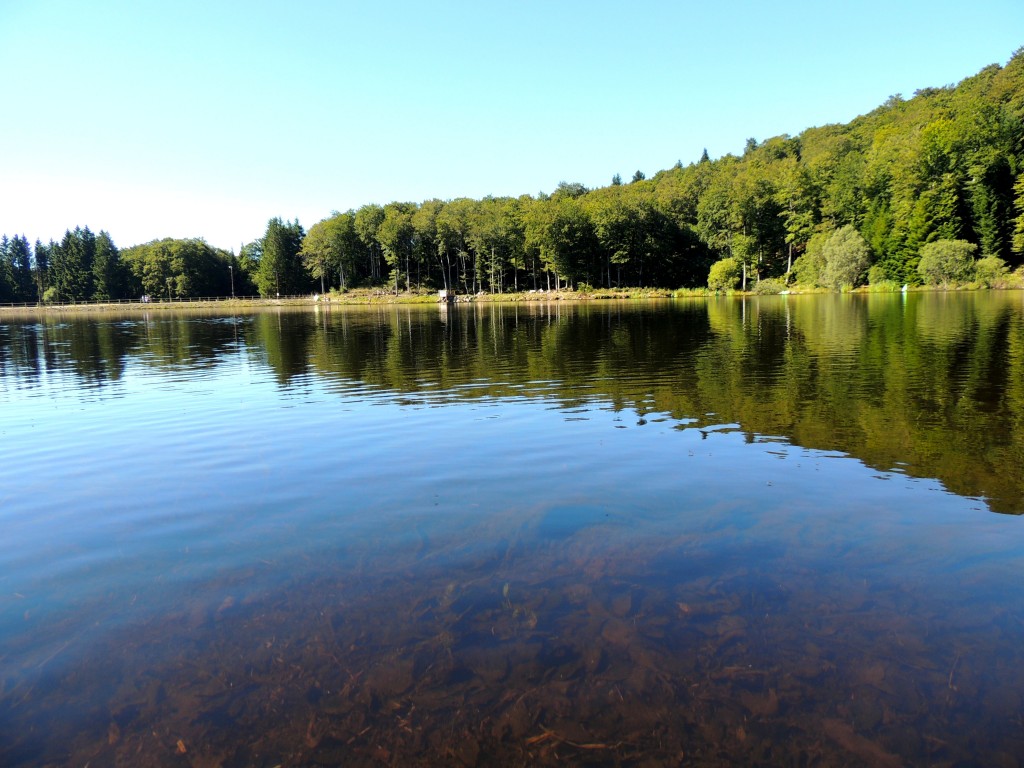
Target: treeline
85, 266
833, 206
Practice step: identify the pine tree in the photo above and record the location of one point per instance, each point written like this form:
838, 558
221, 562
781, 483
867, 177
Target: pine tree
280, 271
109, 279
20, 259
71, 266
6, 274
41, 265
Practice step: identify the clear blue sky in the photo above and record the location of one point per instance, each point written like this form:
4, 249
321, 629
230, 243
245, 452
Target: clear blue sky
199, 118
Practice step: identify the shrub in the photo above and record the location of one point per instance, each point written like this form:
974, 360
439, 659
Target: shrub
947, 261
680, 293
770, 285
725, 274
884, 286
990, 271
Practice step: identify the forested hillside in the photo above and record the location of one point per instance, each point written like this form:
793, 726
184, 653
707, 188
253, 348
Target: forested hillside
938, 177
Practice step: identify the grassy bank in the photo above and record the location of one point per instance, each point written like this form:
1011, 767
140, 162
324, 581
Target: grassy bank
370, 296
359, 296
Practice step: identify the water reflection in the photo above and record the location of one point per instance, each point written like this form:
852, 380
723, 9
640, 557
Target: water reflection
929, 384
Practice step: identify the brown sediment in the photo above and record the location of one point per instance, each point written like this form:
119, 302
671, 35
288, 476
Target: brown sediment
556, 668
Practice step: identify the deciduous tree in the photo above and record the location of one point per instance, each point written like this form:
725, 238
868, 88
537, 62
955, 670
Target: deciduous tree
846, 258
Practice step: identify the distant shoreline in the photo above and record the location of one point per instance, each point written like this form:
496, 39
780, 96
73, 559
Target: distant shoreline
360, 297
370, 297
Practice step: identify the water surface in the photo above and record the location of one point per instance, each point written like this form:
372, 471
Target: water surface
775, 531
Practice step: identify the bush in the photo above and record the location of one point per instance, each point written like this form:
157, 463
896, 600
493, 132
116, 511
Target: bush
770, 285
884, 286
947, 261
877, 274
725, 274
990, 271
680, 293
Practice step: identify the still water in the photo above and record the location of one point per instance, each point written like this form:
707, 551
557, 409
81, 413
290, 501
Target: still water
780, 531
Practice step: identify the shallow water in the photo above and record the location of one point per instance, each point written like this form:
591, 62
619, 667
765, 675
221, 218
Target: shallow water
779, 531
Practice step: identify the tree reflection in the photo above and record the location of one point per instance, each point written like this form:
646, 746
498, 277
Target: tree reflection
930, 383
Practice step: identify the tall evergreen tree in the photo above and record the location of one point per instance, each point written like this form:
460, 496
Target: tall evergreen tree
71, 266
6, 273
20, 257
41, 266
109, 274
280, 271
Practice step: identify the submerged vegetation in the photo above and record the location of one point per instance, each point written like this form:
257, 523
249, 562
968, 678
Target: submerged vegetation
885, 199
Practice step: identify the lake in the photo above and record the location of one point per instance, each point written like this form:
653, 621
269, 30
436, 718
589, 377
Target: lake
775, 531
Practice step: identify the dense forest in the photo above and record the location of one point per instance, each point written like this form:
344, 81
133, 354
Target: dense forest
928, 189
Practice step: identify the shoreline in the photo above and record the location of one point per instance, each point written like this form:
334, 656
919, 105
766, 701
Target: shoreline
367, 297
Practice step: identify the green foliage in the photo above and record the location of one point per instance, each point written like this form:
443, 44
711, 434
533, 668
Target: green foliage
725, 274
248, 262
367, 221
846, 257
877, 275
187, 268
110, 276
808, 268
990, 271
571, 189
280, 271
1018, 221
41, 266
17, 283
947, 261
6, 278
884, 286
395, 235
71, 265
571, 241
769, 286
330, 246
